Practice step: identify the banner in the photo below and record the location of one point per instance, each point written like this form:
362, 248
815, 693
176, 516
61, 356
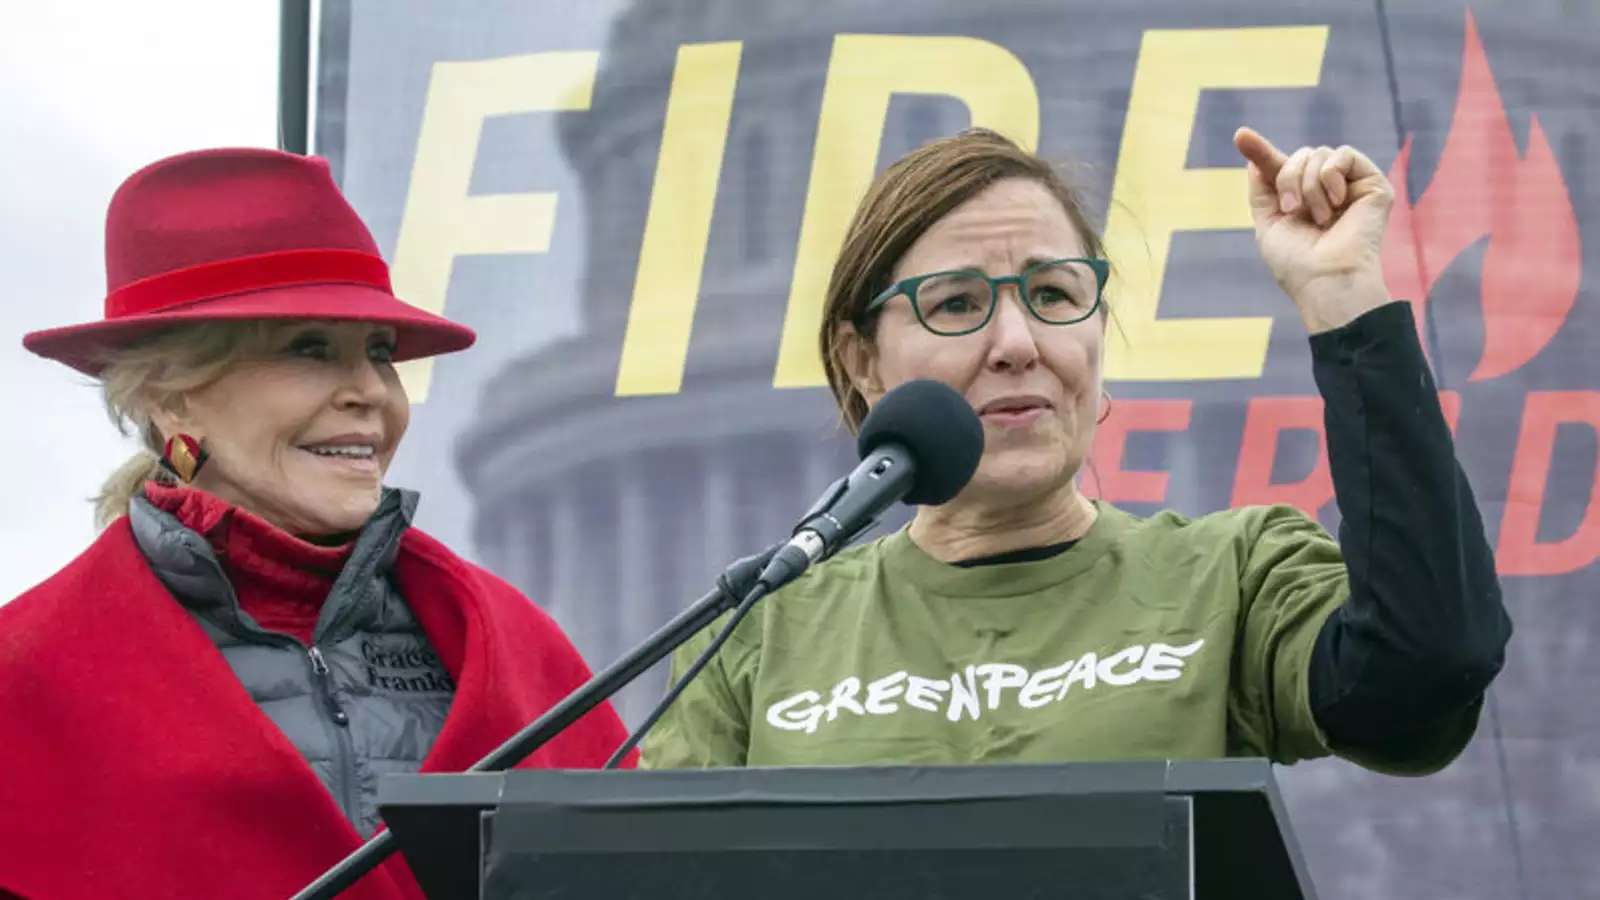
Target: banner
637, 206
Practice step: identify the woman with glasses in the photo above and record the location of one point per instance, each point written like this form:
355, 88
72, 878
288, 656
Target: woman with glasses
1023, 622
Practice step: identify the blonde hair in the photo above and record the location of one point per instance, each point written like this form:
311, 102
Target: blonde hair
153, 374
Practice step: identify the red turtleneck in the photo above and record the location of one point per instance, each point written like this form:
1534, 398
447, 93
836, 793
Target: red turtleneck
280, 580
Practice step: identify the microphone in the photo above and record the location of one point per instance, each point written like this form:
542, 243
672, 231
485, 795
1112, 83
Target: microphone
920, 443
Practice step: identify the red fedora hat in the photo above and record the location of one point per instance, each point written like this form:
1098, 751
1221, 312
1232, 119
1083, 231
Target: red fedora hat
239, 234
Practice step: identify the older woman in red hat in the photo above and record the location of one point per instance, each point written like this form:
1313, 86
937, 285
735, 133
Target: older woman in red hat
202, 702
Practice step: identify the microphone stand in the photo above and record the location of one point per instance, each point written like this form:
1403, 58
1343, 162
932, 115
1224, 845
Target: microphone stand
732, 586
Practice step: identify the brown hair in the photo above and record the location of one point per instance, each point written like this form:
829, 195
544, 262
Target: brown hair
918, 190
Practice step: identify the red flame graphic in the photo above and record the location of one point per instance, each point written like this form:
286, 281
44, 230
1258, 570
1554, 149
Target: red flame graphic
1481, 187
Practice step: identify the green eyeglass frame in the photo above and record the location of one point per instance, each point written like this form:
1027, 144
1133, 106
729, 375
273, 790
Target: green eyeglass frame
909, 286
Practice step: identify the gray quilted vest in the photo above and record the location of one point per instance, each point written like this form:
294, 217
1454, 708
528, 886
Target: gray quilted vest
369, 695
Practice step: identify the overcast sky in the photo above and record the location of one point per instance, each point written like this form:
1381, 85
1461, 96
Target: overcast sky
91, 90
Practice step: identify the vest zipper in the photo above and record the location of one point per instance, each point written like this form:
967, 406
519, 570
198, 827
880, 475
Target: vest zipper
319, 672
342, 742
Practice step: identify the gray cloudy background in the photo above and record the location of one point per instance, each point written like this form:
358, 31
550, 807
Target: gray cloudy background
89, 92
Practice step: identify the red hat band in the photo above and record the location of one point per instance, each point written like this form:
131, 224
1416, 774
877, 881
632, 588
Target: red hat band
286, 268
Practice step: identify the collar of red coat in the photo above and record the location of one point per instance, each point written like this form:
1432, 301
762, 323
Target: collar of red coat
247, 540
136, 765
281, 580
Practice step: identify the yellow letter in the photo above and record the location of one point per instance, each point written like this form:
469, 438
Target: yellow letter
656, 344
441, 220
866, 69
1153, 189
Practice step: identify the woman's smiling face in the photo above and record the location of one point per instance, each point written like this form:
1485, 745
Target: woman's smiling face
303, 435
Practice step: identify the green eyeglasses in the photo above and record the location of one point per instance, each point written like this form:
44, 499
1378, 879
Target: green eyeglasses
961, 301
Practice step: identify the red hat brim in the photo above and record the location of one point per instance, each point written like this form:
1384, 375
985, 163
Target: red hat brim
418, 333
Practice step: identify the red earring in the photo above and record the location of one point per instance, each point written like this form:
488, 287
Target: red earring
183, 457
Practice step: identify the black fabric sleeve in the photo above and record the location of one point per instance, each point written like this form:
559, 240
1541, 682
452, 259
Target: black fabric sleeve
1424, 630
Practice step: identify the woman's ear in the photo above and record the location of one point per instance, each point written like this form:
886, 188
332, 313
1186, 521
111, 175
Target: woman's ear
170, 418
860, 360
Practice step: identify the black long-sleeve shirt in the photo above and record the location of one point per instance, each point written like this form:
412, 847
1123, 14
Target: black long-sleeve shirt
1424, 630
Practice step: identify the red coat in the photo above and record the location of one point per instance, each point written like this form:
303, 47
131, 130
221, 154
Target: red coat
134, 764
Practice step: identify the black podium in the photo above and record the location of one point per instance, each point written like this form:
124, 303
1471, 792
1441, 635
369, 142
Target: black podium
1090, 831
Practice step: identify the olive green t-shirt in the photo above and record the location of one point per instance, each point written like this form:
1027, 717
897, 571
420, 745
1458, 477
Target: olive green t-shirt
1158, 638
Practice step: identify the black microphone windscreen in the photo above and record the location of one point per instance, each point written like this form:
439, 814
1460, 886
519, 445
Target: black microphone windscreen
939, 428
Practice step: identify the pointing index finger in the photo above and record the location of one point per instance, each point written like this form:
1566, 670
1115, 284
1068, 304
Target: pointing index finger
1257, 149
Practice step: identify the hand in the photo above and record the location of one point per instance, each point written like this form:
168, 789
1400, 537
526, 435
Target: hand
1319, 217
